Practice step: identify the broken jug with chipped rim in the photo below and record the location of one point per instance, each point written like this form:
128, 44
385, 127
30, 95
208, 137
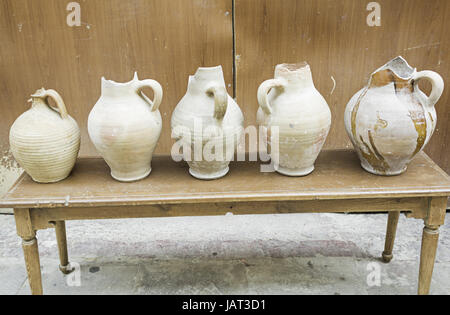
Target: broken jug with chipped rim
391, 120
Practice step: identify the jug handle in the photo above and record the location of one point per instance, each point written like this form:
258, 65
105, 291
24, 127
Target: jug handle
437, 84
57, 98
157, 90
263, 91
220, 101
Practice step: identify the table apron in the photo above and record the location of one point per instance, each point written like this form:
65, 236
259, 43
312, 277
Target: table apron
43, 217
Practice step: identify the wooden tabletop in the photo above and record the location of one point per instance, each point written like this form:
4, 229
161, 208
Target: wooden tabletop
338, 175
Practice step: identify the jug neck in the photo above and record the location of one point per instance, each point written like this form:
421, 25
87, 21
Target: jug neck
39, 102
114, 89
297, 75
397, 72
204, 78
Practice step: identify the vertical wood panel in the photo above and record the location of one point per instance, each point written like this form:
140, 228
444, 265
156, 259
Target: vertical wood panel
162, 40
334, 38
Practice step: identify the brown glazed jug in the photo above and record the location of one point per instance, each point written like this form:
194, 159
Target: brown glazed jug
391, 120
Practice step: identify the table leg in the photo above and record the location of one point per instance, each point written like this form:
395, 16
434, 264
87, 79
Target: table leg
61, 238
430, 240
434, 219
390, 235
31, 254
30, 249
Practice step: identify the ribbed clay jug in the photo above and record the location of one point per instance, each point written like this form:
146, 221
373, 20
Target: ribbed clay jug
125, 126
391, 120
301, 115
204, 121
45, 141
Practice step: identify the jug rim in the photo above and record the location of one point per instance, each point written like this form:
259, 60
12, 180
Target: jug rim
122, 84
399, 67
293, 67
210, 68
207, 72
40, 93
295, 73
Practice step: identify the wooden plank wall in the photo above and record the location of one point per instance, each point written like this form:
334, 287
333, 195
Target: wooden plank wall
168, 40
334, 38
163, 40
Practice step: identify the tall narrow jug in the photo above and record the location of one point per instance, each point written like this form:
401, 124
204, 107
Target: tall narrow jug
208, 123
297, 119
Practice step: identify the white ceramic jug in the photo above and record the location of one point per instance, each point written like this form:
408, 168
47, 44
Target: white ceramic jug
45, 141
204, 120
125, 126
291, 103
390, 120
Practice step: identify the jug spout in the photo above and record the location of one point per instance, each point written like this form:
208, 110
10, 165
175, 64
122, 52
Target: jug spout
396, 71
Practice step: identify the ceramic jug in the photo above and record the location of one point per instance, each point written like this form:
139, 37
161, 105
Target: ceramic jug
209, 123
390, 120
125, 126
45, 141
291, 103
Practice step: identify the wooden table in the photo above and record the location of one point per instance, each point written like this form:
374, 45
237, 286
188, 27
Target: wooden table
337, 185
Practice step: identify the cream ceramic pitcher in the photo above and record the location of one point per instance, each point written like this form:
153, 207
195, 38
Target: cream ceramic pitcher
291, 104
390, 120
45, 141
125, 126
209, 123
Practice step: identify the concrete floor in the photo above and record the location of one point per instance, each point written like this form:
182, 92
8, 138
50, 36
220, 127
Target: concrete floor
272, 254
